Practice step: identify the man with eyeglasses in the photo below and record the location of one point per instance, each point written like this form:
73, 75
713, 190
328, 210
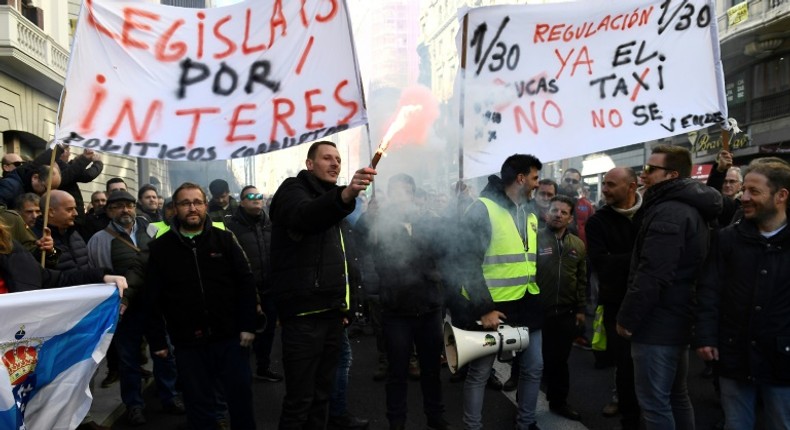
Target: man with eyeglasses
672, 241
122, 249
201, 292
253, 230
310, 280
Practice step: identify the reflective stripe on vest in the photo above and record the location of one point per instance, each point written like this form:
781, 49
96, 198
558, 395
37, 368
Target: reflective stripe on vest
509, 269
163, 228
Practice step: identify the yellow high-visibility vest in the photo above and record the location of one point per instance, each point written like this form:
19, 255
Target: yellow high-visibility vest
164, 228
508, 268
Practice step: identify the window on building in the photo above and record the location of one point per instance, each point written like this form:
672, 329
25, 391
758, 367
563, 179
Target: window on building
772, 77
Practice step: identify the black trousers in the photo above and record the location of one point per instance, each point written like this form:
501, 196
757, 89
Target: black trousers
559, 331
624, 375
311, 349
424, 332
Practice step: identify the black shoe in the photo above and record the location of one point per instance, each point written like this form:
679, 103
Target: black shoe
400, 426
494, 383
511, 384
268, 375
566, 411
135, 416
438, 424
111, 378
347, 422
175, 407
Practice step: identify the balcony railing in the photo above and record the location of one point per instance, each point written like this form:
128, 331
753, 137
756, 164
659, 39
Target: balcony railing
27, 50
772, 106
776, 3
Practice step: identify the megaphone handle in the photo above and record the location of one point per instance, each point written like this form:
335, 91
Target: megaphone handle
499, 352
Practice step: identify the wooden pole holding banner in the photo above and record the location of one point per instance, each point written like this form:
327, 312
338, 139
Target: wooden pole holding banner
725, 139
46, 200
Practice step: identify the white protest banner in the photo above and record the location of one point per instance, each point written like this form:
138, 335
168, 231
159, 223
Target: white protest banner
51, 342
564, 79
174, 83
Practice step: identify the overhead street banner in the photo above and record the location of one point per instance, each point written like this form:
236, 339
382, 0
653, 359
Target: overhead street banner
565, 79
171, 83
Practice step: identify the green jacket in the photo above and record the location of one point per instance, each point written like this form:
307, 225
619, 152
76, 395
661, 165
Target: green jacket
562, 273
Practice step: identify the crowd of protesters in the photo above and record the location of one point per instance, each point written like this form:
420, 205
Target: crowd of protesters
663, 267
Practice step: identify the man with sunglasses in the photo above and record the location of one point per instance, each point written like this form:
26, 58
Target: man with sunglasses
10, 162
254, 231
657, 312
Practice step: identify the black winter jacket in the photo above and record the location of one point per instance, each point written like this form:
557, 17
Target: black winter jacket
475, 236
610, 244
255, 237
203, 287
404, 255
308, 260
71, 248
21, 272
744, 304
671, 246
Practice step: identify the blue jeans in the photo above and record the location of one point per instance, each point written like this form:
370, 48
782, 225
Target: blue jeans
739, 401
530, 371
660, 379
202, 368
338, 402
128, 338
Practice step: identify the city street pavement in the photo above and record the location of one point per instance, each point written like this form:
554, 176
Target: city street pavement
590, 391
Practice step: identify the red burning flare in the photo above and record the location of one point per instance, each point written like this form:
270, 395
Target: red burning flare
417, 111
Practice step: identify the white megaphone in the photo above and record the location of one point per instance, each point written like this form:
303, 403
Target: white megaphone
462, 346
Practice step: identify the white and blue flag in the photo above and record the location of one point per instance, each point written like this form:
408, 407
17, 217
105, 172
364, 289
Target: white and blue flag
51, 342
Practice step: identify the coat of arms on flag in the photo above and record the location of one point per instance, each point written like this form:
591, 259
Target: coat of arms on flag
51, 342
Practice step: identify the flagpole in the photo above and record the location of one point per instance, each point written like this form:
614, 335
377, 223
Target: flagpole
46, 200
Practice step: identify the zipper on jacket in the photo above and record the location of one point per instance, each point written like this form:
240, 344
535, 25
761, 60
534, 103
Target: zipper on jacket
200, 282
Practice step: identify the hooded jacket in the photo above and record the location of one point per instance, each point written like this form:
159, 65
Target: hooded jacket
671, 245
744, 304
475, 237
308, 248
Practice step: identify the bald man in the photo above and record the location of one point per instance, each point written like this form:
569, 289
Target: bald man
11, 161
68, 242
610, 239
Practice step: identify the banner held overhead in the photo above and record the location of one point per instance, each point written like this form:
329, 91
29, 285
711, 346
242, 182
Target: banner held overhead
565, 79
171, 83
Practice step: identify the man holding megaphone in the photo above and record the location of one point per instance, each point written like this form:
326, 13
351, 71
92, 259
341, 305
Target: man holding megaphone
496, 278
